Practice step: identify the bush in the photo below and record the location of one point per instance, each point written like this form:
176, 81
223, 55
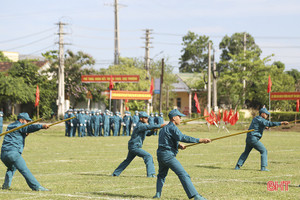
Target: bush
284, 116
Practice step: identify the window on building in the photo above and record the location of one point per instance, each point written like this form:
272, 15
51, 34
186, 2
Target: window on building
179, 103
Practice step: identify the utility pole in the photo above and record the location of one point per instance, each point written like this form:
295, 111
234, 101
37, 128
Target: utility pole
147, 65
214, 83
117, 45
61, 71
244, 68
161, 84
147, 52
209, 79
117, 51
167, 99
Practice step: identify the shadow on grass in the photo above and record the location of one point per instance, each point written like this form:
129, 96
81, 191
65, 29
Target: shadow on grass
208, 167
119, 195
125, 195
109, 175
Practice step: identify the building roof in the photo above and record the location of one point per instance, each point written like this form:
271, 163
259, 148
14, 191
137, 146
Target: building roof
180, 86
186, 82
4, 66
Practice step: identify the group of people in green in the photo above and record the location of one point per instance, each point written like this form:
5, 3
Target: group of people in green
168, 144
96, 123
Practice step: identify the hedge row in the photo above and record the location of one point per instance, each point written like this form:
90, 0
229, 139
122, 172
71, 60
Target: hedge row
285, 116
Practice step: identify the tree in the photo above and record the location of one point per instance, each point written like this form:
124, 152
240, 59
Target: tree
76, 64
296, 75
234, 45
230, 85
26, 72
195, 53
15, 90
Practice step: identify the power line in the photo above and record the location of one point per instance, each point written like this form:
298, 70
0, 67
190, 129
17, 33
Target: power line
26, 36
219, 36
28, 44
109, 48
279, 47
104, 38
42, 49
107, 30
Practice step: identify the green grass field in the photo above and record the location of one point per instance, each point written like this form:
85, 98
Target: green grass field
81, 168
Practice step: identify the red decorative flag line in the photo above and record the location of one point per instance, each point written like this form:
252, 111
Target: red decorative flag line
297, 105
269, 84
111, 83
197, 103
37, 96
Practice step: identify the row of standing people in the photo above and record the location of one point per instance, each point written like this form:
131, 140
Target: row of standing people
96, 123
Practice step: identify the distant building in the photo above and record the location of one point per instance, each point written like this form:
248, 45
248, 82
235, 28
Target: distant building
185, 89
13, 56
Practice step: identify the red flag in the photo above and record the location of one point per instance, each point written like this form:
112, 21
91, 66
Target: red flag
205, 113
269, 84
213, 116
219, 116
297, 106
37, 96
229, 115
126, 107
151, 87
209, 119
225, 116
234, 118
111, 83
237, 116
197, 103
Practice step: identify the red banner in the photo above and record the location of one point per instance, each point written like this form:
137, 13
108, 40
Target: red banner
106, 78
285, 95
130, 95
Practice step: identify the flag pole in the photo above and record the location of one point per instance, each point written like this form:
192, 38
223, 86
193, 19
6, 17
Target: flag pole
270, 119
109, 99
37, 112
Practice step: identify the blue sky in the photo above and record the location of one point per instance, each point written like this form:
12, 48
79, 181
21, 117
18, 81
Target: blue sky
29, 27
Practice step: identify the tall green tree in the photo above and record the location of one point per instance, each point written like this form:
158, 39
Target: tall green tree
194, 56
236, 44
230, 85
76, 64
